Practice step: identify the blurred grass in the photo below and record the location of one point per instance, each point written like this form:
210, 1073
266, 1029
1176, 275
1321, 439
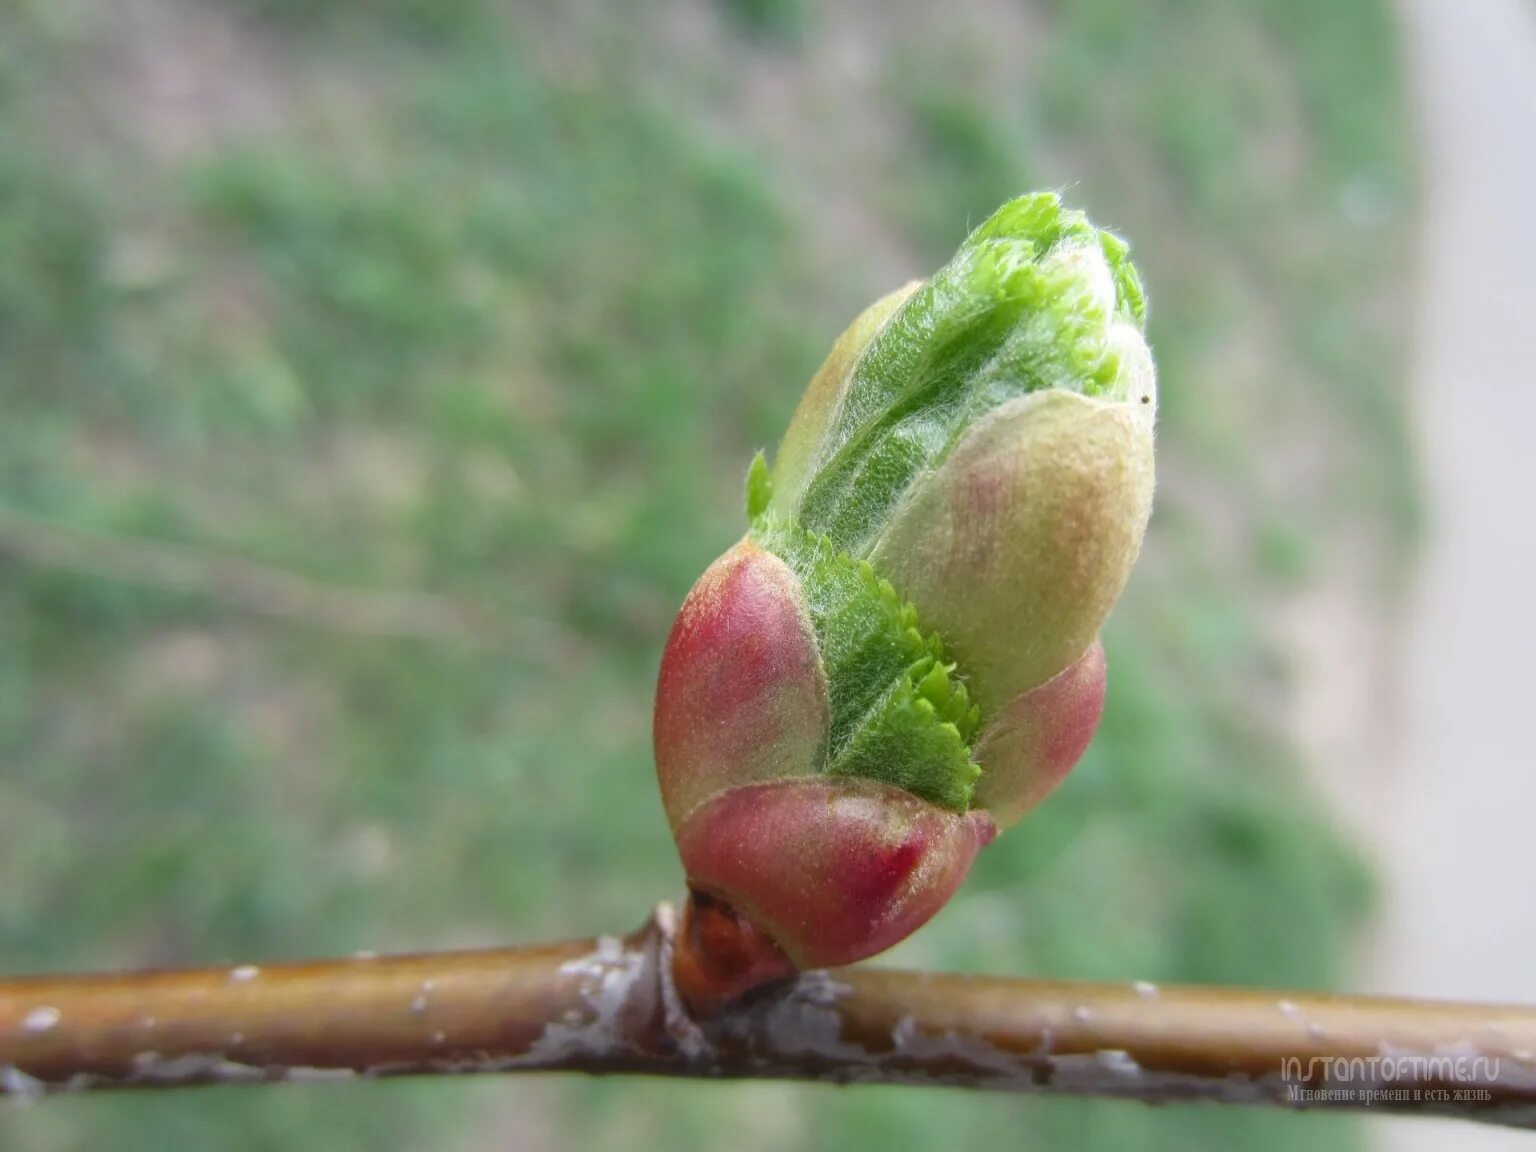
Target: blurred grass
496, 304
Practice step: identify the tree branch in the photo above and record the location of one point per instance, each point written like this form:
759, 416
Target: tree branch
609, 1006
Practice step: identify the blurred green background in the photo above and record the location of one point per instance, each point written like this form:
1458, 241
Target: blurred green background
375, 379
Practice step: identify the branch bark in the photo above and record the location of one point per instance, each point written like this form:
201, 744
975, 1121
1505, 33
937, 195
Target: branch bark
610, 1006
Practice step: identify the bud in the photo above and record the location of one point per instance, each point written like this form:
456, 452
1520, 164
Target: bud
900, 657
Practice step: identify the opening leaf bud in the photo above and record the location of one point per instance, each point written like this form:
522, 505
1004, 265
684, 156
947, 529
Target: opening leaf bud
901, 656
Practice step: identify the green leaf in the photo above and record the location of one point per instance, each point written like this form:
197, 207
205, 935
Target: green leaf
1027, 304
759, 487
899, 712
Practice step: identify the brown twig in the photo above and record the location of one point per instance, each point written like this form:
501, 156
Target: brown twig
609, 1006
